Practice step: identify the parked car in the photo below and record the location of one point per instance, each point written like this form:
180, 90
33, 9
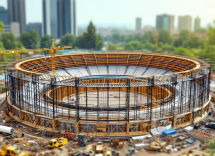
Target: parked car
210, 125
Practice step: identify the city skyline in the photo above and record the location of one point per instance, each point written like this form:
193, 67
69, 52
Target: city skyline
85, 13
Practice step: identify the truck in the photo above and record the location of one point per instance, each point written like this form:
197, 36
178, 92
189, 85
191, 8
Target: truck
54, 143
210, 125
8, 150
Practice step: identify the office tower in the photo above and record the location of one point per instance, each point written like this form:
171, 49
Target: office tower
67, 17
50, 25
197, 23
35, 26
138, 25
165, 22
15, 28
185, 23
16, 13
3, 15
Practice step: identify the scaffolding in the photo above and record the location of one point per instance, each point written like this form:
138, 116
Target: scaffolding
109, 104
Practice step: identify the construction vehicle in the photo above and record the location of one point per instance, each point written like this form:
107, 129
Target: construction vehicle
68, 135
82, 141
108, 153
8, 150
54, 143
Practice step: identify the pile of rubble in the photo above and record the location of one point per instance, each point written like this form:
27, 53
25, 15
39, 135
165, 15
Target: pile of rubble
170, 143
202, 134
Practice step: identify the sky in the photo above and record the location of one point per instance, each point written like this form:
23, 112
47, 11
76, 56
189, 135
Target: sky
122, 13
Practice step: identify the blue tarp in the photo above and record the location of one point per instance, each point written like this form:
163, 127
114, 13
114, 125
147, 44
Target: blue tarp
169, 132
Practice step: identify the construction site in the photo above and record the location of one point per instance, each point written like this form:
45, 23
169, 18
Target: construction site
116, 103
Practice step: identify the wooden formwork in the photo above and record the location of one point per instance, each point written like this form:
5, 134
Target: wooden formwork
144, 126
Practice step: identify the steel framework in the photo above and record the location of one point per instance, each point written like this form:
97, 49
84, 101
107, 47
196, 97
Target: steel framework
58, 102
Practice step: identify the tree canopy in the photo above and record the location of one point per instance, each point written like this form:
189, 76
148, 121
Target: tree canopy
91, 40
148, 37
113, 47
1, 26
68, 39
9, 41
30, 39
165, 37
46, 41
201, 30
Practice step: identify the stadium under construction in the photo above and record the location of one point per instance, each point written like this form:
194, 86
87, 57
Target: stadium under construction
109, 94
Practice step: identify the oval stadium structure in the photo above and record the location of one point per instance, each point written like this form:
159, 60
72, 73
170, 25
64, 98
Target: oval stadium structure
109, 94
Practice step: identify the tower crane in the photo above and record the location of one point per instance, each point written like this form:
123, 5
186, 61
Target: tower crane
52, 49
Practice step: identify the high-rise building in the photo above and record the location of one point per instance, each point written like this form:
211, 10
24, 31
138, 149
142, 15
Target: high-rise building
165, 22
185, 23
35, 26
138, 25
3, 15
16, 13
15, 28
197, 23
12, 27
50, 25
67, 17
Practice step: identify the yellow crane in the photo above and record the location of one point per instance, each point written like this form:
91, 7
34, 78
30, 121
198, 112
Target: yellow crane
52, 49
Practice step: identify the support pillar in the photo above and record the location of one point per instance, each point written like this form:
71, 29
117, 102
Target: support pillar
149, 96
108, 101
53, 81
77, 99
86, 105
173, 80
128, 98
97, 104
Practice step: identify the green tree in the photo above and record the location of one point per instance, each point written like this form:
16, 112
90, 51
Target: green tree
90, 36
201, 30
128, 46
99, 42
9, 40
1, 46
1, 26
80, 41
68, 39
91, 39
183, 51
183, 36
148, 37
211, 150
30, 39
116, 38
134, 45
149, 46
46, 41
1, 49
211, 34
165, 37
208, 48
113, 47
193, 41
167, 47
